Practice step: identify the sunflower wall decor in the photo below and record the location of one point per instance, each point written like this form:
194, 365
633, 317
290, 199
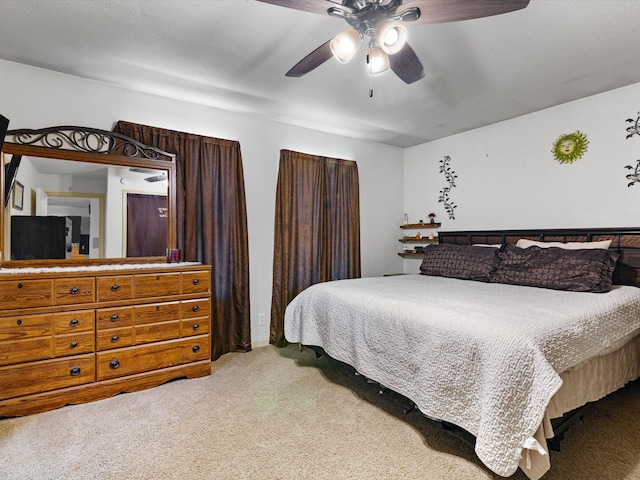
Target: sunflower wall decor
570, 147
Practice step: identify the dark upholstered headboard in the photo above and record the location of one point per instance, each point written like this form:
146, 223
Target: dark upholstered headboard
626, 241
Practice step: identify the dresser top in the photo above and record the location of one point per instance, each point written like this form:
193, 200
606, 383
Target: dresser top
96, 268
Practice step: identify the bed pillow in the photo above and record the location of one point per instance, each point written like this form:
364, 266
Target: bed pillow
466, 262
586, 270
524, 243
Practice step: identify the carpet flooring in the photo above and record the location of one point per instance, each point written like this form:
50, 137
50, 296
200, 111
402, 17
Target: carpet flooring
285, 414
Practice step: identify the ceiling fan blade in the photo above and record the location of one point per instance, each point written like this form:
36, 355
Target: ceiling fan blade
442, 11
156, 178
311, 61
406, 65
312, 6
142, 170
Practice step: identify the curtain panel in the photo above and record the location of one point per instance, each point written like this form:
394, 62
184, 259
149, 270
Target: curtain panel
317, 228
211, 224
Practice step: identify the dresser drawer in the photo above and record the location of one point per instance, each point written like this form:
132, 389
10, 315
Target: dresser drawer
115, 338
156, 332
36, 377
23, 326
25, 350
73, 344
194, 308
71, 291
156, 285
194, 326
25, 338
119, 317
79, 321
156, 312
196, 282
26, 293
115, 288
131, 360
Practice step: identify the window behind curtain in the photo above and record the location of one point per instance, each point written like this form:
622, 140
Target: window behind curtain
211, 224
317, 228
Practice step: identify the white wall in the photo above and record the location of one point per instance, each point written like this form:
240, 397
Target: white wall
508, 177
34, 98
29, 177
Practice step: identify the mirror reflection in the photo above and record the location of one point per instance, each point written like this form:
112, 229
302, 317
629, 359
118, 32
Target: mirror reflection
63, 209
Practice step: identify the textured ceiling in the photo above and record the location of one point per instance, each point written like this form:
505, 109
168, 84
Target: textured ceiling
233, 54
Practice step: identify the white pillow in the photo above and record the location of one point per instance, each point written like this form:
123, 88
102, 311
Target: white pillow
524, 243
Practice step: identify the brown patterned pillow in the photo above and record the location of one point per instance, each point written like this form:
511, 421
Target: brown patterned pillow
459, 261
556, 268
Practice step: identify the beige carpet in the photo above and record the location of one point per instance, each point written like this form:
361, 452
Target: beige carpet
283, 414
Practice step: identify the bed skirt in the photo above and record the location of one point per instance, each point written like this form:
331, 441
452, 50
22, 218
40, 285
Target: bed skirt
591, 381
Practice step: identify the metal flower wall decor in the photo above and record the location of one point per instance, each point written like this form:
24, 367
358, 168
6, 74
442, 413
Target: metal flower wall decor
450, 176
633, 129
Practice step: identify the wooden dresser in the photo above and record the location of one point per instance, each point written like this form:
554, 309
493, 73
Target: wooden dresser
75, 335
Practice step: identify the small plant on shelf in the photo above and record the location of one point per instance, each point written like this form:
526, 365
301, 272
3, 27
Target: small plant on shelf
432, 217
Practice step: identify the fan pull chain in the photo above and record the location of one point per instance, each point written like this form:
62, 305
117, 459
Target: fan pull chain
370, 73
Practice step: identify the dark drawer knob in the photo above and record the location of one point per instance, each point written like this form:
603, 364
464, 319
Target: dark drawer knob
196, 326
75, 371
114, 318
196, 281
74, 322
115, 338
113, 364
19, 322
74, 344
195, 349
196, 308
115, 288
74, 290
19, 285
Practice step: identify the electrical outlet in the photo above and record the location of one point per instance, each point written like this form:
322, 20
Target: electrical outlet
262, 319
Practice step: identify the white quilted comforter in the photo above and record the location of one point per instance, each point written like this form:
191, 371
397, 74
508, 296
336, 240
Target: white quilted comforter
483, 356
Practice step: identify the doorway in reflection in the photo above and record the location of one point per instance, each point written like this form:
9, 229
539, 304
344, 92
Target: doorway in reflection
146, 225
86, 214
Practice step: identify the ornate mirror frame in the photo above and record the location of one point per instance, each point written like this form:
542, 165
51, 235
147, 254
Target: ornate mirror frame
83, 144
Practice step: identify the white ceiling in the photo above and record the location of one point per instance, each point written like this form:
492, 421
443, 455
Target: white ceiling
233, 54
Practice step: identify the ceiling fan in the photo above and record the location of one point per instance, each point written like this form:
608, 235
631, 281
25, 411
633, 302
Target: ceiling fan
148, 171
382, 22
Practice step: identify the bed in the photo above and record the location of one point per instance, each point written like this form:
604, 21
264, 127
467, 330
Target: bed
498, 339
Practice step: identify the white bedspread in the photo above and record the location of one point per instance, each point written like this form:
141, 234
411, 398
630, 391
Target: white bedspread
482, 356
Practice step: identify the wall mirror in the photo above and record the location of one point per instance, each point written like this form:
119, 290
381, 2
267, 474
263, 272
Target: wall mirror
82, 196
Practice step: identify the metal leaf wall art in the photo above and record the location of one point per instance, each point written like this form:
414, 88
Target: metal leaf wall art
450, 176
633, 129
635, 176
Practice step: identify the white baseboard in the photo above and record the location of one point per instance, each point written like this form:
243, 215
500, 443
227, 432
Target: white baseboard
259, 343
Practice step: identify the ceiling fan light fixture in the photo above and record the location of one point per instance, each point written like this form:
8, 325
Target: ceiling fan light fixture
378, 61
391, 36
344, 45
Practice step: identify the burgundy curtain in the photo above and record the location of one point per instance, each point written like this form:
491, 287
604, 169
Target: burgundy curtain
317, 228
211, 223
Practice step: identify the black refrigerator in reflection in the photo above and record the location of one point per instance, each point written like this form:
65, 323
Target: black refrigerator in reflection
38, 238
